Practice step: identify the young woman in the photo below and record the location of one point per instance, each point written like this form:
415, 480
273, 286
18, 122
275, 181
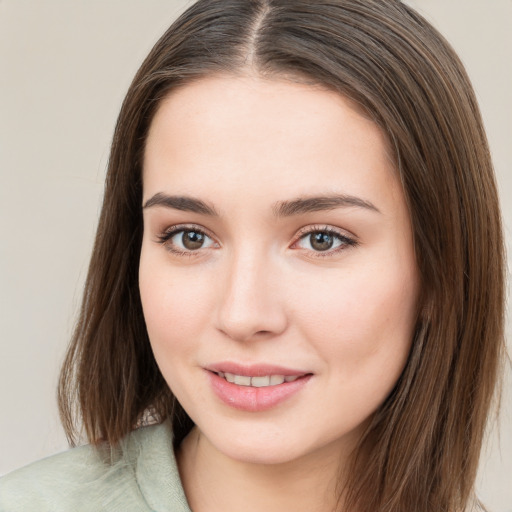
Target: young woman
297, 275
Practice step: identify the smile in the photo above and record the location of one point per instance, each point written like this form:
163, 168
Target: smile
257, 381
255, 388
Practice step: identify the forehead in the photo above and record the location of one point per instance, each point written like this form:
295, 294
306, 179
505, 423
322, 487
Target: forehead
247, 133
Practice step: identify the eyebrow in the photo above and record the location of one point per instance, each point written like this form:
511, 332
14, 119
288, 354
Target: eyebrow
290, 208
320, 203
183, 203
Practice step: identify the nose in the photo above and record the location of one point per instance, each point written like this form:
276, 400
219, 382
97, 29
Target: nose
250, 305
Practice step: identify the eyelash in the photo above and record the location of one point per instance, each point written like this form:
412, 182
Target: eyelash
345, 241
165, 237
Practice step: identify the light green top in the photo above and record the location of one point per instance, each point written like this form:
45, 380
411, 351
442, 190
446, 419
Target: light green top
143, 478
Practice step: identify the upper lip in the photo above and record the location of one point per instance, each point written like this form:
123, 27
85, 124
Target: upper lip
253, 370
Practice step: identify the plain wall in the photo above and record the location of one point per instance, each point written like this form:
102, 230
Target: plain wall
64, 68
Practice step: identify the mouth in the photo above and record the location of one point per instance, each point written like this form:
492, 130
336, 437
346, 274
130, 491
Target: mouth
256, 388
260, 375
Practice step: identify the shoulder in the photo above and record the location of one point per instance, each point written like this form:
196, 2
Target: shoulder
67, 481
142, 477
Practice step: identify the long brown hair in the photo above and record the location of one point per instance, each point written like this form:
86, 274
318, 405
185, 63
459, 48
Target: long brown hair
420, 452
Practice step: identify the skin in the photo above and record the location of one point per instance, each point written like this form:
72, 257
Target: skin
257, 291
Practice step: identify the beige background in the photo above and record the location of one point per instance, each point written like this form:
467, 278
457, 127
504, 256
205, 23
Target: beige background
64, 68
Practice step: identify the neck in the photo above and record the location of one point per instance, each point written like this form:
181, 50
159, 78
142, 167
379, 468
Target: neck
214, 482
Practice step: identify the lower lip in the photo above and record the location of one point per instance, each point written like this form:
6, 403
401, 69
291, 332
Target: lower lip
252, 399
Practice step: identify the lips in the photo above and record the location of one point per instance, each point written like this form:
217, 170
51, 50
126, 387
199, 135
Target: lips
256, 387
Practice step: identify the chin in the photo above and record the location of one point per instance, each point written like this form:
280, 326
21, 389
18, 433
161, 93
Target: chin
259, 443
267, 444
266, 454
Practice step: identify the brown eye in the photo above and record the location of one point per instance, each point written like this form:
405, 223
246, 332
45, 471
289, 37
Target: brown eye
192, 240
325, 240
181, 241
321, 241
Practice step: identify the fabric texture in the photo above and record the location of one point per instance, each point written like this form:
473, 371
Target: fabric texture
140, 476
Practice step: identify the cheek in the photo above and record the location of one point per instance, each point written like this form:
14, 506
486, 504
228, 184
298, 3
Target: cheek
362, 323
174, 305
363, 337
173, 309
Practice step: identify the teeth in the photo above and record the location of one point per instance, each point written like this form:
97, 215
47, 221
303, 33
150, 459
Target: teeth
260, 382
243, 380
276, 379
257, 382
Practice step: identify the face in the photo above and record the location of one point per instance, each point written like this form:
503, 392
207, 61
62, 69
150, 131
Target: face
277, 272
